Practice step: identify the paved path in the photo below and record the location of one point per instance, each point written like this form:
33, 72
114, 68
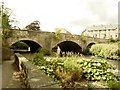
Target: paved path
8, 78
0, 76
37, 78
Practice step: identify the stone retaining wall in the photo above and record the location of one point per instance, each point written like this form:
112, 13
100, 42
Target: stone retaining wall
31, 76
22, 68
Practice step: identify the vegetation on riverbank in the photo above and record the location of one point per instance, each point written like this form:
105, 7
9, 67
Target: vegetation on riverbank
108, 51
19, 45
68, 70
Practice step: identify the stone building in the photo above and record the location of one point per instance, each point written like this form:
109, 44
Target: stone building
102, 31
62, 30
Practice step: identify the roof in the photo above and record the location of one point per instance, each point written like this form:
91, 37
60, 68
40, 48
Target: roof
101, 27
62, 30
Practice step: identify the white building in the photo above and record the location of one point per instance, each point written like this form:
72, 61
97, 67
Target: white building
102, 31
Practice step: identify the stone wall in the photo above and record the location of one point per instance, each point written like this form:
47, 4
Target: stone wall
31, 76
7, 54
24, 71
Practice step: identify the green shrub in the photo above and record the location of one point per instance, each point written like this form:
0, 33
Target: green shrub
95, 49
6, 34
67, 70
111, 40
114, 85
42, 64
86, 51
19, 45
108, 51
90, 69
38, 58
73, 67
44, 51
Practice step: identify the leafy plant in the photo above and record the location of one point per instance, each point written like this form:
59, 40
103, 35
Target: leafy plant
6, 34
39, 59
86, 51
111, 40
44, 51
19, 45
6, 20
108, 51
43, 64
96, 70
57, 33
68, 70
114, 85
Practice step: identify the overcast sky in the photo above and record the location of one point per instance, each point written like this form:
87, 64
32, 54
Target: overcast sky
73, 15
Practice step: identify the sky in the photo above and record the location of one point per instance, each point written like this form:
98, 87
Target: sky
73, 15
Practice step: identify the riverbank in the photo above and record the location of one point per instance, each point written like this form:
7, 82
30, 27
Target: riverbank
92, 84
114, 63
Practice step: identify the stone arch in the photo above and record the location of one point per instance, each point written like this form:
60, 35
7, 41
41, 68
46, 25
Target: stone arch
70, 46
56, 43
86, 50
90, 44
34, 46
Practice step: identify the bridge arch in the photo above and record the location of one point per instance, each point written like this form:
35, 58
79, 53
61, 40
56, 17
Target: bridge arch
68, 46
34, 46
90, 44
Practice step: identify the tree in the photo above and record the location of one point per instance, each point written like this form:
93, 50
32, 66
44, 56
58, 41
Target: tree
6, 14
6, 20
35, 25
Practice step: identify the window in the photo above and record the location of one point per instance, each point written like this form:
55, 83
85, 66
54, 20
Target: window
104, 29
113, 29
111, 36
104, 36
95, 30
116, 35
95, 35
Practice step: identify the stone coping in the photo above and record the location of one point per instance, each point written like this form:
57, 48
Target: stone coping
33, 77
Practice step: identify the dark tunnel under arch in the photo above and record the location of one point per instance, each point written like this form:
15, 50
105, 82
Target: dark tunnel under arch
90, 44
66, 46
86, 51
34, 46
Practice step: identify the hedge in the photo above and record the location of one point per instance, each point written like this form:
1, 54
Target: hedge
108, 51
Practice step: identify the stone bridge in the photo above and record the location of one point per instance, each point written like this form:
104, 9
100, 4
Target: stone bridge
50, 40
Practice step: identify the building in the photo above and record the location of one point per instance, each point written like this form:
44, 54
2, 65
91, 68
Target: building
62, 30
102, 31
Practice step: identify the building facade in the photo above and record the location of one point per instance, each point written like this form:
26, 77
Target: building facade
102, 31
